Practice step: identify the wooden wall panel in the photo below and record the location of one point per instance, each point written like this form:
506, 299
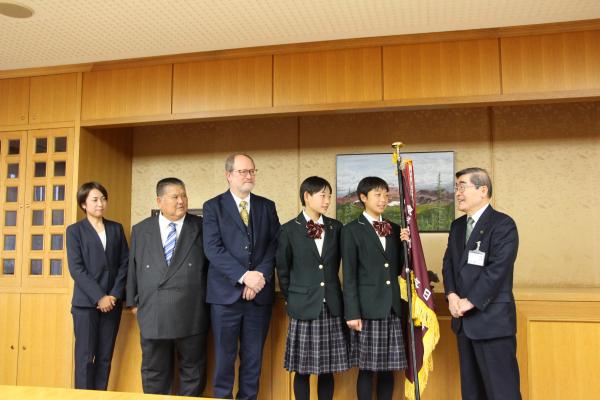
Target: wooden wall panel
14, 101
564, 61
223, 84
338, 76
46, 340
105, 156
443, 69
9, 337
53, 98
126, 92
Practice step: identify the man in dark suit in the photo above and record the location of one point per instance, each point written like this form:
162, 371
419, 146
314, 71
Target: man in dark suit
240, 240
478, 278
166, 286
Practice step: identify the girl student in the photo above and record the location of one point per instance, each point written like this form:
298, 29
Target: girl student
308, 261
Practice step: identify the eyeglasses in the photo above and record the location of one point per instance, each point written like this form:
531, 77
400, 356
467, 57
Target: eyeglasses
245, 172
461, 187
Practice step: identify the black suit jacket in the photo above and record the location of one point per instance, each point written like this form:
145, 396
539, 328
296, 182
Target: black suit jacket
305, 277
232, 249
170, 299
489, 288
371, 288
96, 272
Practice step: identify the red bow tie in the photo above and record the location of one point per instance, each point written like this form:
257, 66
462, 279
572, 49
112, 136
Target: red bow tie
314, 229
382, 228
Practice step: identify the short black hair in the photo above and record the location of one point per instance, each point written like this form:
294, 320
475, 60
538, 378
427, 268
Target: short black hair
370, 183
479, 177
312, 185
84, 191
163, 183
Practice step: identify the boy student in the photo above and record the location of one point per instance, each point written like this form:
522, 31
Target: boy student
372, 261
308, 261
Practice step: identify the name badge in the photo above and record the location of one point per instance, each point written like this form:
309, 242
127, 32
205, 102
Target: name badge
476, 257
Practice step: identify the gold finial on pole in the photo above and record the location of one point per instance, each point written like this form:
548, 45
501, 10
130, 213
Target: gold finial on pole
397, 159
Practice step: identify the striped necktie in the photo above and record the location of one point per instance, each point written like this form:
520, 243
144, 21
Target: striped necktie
170, 243
470, 223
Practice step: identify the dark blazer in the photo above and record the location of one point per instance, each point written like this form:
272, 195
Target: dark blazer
371, 288
96, 272
170, 299
305, 277
489, 288
232, 248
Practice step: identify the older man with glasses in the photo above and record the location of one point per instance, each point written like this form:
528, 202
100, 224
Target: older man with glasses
240, 240
478, 279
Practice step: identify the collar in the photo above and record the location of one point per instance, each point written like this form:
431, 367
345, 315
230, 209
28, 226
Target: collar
307, 218
237, 199
164, 222
478, 213
371, 219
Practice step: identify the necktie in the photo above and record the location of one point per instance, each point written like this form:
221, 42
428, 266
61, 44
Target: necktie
470, 223
244, 212
170, 243
382, 228
314, 229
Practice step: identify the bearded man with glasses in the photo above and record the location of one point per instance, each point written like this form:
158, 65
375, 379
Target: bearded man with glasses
240, 240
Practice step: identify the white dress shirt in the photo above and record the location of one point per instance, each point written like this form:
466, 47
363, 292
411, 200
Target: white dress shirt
163, 223
102, 236
478, 213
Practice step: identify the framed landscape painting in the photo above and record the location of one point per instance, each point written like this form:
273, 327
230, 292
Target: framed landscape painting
434, 181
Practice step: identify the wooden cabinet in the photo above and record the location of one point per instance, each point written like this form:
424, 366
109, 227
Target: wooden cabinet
14, 101
338, 76
122, 93
444, 69
45, 341
53, 98
9, 337
35, 195
223, 84
557, 62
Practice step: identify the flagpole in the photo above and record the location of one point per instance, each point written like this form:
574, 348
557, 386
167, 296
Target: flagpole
407, 268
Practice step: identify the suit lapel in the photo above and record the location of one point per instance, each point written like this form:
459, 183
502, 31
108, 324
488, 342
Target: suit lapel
91, 231
301, 229
231, 207
478, 231
370, 233
328, 242
188, 234
156, 247
256, 216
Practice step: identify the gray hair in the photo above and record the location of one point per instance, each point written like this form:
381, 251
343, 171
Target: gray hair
231, 160
479, 177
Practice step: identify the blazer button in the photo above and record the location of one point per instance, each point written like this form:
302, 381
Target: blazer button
189, 264
320, 266
322, 283
387, 282
147, 266
324, 301
245, 247
386, 265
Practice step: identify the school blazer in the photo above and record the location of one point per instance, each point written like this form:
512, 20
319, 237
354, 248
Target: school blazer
305, 277
170, 299
371, 289
488, 287
96, 272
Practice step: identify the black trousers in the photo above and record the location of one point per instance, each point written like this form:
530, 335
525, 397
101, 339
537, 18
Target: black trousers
95, 336
488, 368
158, 362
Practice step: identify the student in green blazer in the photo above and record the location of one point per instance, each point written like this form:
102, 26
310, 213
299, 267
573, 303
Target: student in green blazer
372, 261
308, 261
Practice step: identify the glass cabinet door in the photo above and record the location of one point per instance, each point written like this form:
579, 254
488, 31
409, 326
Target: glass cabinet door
13, 153
47, 201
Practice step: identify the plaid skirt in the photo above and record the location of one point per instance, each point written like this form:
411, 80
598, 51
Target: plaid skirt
316, 346
379, 346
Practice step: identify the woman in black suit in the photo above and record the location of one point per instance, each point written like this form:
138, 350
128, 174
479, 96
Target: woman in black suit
98, 256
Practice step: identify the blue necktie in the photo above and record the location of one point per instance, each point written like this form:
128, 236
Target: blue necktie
170, 243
